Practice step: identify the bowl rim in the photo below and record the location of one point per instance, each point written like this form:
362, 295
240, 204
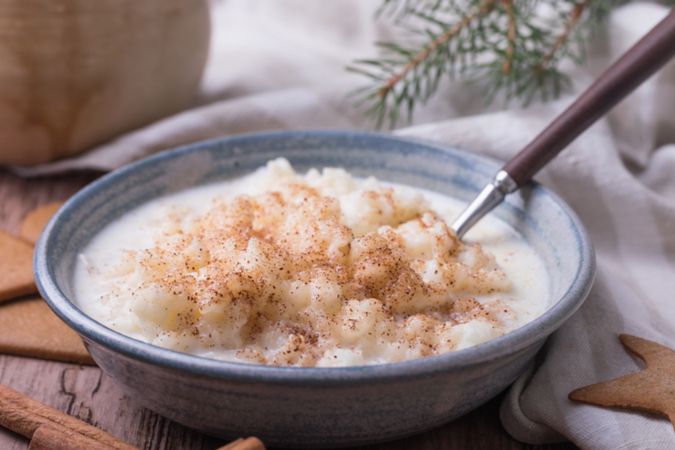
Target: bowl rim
508, 344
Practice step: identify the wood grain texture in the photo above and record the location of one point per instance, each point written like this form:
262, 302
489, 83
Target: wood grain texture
86, 393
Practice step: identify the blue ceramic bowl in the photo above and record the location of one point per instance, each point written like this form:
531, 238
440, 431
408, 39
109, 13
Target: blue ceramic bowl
314, 407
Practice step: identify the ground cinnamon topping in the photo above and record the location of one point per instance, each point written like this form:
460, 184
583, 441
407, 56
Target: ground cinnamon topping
313, 270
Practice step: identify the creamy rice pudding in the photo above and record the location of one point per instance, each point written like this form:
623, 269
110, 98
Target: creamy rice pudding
321, 269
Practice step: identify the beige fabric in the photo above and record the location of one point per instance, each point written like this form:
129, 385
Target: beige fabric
279, 65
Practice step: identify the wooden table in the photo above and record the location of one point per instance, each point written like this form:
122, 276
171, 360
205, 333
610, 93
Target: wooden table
88, 394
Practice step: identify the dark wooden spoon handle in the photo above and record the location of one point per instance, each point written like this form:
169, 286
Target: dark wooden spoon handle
636, 65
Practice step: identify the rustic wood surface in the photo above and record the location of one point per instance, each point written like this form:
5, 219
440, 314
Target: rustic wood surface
86, 393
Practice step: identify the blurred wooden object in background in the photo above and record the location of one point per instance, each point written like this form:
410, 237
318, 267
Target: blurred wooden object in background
74, 73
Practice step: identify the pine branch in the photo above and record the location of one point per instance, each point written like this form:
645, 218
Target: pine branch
572, 21
512, 47
433, 46
510, 36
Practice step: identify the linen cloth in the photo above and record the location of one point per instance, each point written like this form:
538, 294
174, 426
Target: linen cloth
280, 65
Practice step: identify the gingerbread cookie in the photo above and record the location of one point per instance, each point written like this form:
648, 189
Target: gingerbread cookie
16, 267
651, 390
29, 328
36, 220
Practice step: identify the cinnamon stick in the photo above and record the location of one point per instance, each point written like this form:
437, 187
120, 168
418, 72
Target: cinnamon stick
47, 437
51, 429
251, 443
25, 416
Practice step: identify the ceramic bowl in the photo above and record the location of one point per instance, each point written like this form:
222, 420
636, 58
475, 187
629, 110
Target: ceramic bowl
314, 407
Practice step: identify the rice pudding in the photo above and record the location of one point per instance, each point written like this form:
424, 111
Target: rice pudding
321, 269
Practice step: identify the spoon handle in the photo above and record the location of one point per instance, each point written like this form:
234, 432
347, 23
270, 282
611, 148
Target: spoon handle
628, 72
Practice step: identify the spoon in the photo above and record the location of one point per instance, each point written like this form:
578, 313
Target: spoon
627, 73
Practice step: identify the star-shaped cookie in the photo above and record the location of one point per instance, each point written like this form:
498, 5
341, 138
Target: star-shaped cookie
651, 390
